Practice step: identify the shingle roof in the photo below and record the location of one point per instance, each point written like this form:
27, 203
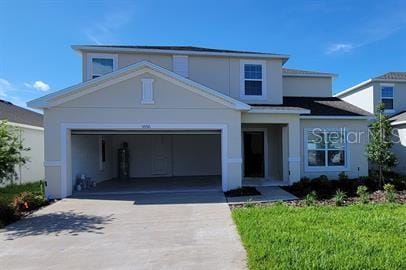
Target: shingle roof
15, 114
392, 76
321, 106
398, 117
175, 48
291, 71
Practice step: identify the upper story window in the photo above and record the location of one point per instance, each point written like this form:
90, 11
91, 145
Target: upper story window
253, 78
100, 64
387, 94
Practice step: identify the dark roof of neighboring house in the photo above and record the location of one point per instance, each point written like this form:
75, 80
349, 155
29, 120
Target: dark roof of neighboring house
391, 76
174, 48
398, 117
16, 114
321, 106
291, 71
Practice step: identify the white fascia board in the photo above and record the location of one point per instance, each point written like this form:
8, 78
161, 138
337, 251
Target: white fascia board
81, 89
25, 126
311, 75
275, 111
355, 117
80, 48
397, 123
353, 88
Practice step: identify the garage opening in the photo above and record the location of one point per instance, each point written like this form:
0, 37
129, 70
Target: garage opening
139, 161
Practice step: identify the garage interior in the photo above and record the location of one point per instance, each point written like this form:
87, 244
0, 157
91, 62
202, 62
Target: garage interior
155, 161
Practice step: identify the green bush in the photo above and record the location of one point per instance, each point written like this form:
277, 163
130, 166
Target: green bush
362, 192
27, 201
390, 193
342, 176
310, 198
339, 197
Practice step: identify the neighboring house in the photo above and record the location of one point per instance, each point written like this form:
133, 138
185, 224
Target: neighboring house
389, 89
187, 111
31, 132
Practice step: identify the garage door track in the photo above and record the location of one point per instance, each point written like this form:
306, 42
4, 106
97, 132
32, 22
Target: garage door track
191, 230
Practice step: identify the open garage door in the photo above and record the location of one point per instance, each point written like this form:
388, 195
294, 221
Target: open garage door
125, 160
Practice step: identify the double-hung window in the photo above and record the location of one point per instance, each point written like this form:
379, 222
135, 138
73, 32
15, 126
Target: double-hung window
325, 150
387, 93
101, 64
253, 79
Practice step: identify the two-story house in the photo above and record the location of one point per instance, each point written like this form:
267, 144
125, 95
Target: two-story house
238, 117
389, 89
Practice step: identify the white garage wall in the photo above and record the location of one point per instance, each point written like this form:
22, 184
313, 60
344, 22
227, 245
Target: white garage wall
196, 155
183, 154
86, 159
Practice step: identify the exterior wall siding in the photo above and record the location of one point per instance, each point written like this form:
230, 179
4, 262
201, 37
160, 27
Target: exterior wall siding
358, 164
399, 149
307, 86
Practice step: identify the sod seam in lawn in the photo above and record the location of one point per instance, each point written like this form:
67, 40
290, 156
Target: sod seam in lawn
324, 237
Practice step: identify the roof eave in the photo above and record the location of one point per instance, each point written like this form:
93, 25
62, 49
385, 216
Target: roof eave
352, 117
81, 48
352, 88
333, 76
276, 111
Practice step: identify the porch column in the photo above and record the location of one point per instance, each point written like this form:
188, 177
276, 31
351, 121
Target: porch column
294, 150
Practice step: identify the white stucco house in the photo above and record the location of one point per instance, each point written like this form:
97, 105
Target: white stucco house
190, 111
29, 125
389, 89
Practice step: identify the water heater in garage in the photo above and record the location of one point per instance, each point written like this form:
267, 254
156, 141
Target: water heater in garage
123, 162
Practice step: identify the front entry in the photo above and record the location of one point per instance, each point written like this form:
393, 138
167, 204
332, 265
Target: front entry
254, 155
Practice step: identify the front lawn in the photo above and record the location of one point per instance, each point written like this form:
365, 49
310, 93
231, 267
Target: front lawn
323, 237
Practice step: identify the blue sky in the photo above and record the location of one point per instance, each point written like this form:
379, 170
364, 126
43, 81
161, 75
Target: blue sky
354, 39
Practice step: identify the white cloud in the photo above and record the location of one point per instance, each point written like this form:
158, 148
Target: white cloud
339, 48
39, 85
5, 86
104, 31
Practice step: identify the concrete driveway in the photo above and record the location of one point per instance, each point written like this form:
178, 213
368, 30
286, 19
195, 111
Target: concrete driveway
191, 230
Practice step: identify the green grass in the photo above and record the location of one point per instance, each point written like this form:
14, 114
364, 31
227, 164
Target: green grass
7, 193
324, 237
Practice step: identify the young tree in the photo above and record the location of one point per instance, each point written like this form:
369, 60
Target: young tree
379, 148
11, 151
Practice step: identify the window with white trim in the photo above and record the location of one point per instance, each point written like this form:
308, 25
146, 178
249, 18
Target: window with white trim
325, 150
101, 64
253, 75
387, 93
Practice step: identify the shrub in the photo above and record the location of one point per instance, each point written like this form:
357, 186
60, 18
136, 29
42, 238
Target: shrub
339, 197
7, 214
362, 192
342, 176
27, 201
323, 178
390, 193
310, 198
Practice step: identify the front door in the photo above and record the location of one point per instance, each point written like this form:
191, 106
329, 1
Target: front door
254, 156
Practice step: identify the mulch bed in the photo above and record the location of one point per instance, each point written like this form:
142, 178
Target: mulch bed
377, 197
244, 191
